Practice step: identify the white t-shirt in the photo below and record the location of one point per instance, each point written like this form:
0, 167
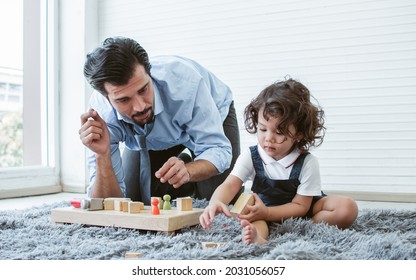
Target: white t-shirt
310, 178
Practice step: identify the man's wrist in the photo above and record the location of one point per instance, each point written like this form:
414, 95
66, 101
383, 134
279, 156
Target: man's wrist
189, 176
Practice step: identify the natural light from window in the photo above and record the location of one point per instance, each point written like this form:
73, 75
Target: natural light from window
28, 98
11, 83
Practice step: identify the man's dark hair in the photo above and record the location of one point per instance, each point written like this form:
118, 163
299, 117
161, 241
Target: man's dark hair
114, 62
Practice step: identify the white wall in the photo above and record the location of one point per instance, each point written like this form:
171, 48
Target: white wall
358, 58
78, 35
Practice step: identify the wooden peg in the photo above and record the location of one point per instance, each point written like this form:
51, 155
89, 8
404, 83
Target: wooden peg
155, 206
166, 202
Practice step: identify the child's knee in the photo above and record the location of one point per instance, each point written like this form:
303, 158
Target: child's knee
347, 212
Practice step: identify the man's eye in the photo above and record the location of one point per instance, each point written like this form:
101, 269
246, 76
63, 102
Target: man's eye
143, 90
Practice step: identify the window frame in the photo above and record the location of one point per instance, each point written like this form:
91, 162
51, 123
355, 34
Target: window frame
40, 122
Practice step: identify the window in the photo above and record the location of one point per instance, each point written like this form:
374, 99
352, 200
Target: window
27, 149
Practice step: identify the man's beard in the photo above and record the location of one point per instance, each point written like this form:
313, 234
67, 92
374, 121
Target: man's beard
142, 121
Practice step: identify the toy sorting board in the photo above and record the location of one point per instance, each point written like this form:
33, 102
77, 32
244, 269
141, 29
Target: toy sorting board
168, 220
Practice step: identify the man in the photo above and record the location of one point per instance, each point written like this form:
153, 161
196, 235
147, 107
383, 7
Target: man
164, 106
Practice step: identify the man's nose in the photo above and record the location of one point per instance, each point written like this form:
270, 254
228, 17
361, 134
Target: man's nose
138, 104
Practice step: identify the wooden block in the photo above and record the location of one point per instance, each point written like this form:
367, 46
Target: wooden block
92, 204
211, 244
184, 203
167, 221
97, 204
141, 206
133, 255
109, 202
243, 200
135, 206
118, 203
125, 206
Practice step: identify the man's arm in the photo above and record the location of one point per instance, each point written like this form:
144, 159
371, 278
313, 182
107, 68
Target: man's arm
105, 184
95, 136
200, 170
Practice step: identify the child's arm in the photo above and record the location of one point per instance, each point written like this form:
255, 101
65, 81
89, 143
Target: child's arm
220, 199
298, 207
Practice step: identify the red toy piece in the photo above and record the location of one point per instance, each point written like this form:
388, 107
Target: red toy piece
76, 202
155, 206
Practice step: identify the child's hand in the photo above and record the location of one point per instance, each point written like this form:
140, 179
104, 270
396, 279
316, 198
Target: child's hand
211, 211
257, 211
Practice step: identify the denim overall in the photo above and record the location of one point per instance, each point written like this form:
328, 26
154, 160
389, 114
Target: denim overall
278, 192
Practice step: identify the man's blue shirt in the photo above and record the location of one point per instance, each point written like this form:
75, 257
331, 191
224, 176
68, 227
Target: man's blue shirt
190, 106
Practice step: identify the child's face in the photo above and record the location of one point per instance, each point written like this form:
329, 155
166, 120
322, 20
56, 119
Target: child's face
271, 140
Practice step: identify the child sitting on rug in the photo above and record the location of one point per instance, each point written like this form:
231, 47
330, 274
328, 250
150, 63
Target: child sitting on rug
286, 178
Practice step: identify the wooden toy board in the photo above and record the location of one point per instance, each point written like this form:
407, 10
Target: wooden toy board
168, 220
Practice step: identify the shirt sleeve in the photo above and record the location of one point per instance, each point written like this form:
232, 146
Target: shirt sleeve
310, 177
206, 131
243, 168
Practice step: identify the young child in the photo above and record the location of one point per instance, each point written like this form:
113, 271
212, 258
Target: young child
286, 178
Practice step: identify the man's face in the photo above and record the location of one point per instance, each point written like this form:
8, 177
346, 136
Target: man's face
134, 99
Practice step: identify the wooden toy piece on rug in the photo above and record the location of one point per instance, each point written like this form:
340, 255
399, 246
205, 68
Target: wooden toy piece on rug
184, 203
211, 244
240, 205
133, 255
155, 206
166, 202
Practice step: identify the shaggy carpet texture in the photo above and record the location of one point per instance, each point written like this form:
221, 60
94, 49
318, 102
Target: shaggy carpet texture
376, 235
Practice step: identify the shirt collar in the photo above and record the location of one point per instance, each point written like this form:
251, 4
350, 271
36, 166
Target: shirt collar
158, 104
286, 162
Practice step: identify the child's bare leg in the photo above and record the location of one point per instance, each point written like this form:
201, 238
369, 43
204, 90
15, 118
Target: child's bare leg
256, 232
335, 210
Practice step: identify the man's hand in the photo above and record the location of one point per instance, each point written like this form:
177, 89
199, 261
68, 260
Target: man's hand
174, 172
94, 132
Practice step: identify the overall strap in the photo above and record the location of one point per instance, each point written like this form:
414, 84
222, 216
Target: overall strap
257, 161
297, 166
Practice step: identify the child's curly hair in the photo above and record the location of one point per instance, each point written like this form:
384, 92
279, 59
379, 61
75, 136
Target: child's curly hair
289, 101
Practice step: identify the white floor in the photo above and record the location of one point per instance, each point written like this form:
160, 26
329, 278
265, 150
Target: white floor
27, 202
38, 200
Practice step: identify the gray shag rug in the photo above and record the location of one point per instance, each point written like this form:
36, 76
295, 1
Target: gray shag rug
376, 235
